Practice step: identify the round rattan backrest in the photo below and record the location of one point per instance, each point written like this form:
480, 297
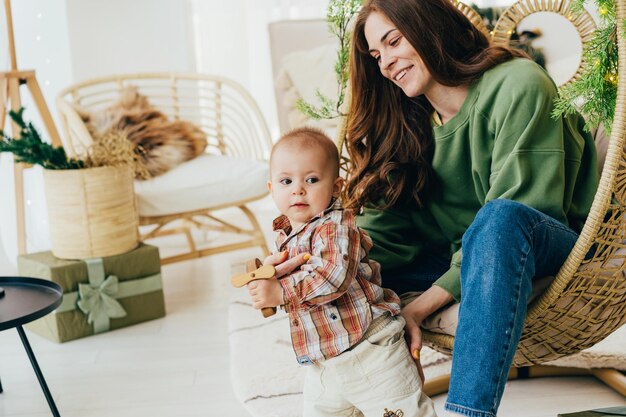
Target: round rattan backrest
473, 16
512, 16
587, 300
225, 111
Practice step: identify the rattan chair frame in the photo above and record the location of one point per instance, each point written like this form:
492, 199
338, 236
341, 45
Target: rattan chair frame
227, 113
473, 16
513, 15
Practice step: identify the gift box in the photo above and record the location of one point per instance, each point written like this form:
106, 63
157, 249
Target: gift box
99, 294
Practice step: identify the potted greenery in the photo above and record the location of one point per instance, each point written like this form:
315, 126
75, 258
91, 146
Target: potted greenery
91, 202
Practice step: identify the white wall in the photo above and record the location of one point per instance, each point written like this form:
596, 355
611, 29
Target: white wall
118, 36
67, 41
41, 41
42, 44
231, 39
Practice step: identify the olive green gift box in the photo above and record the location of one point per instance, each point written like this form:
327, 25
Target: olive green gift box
99, 294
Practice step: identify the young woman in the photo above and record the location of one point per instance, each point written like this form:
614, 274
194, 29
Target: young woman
467, 185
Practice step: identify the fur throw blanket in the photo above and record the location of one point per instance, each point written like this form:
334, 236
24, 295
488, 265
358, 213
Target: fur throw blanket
160, 144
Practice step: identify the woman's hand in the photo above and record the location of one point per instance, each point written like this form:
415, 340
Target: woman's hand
413, 334
415, 312
269, 292
283, 265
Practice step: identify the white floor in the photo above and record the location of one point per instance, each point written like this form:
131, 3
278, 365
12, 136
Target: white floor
178, 365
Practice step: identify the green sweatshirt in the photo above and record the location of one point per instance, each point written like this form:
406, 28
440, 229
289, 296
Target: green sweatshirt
503, 143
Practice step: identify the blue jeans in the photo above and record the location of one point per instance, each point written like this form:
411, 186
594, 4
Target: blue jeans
506, 246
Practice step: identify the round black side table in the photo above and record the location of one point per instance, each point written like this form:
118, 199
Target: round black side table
24, 300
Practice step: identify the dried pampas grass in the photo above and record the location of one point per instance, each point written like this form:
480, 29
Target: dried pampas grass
113, 148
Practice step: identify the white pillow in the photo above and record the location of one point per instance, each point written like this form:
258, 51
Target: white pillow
205, 182
312, 69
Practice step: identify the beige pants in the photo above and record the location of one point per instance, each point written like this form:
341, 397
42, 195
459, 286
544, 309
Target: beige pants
375, 375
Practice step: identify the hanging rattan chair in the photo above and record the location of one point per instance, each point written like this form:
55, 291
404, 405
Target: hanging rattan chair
587, 300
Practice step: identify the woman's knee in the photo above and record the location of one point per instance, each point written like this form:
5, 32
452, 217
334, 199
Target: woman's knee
503, 209
498, 219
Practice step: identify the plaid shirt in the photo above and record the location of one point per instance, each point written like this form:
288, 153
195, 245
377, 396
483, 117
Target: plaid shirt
332, 299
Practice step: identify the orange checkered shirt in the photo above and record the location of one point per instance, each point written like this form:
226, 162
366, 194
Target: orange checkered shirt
332, 299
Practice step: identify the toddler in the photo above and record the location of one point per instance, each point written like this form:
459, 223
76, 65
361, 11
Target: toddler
344, 325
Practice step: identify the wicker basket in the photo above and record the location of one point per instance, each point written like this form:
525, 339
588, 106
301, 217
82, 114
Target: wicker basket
91, 212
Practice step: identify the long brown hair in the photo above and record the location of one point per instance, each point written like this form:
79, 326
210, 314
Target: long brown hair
389, 135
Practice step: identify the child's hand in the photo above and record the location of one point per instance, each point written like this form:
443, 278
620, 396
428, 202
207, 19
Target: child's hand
266, 293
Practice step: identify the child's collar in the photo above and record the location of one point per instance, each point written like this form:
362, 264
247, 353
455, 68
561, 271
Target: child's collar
282, 223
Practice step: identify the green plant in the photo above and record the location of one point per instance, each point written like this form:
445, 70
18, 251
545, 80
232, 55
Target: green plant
338, 15
595, 92
30, 149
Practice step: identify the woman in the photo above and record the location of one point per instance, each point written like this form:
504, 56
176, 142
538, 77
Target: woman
467, 185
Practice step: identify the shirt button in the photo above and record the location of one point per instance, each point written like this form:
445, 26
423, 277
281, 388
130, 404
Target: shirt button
295, 322
333, 316
345, 257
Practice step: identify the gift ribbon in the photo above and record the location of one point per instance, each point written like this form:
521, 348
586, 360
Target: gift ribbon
99, 305
98, 299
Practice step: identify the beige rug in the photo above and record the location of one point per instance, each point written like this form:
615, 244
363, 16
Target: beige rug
268, 381
265, 375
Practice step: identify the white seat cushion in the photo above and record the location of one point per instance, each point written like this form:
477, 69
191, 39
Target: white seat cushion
204, 182
446, 320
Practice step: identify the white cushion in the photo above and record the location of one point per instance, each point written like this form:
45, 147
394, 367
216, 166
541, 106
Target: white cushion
446, 320
302, 73
312, 70
204, 182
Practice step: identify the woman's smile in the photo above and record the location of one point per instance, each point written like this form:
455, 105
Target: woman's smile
400, 75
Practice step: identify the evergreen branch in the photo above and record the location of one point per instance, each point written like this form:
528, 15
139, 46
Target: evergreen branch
30, 149
595, 92
338, 15
323, 111
308, 109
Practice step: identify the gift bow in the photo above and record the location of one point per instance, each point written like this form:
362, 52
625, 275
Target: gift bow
97, 299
